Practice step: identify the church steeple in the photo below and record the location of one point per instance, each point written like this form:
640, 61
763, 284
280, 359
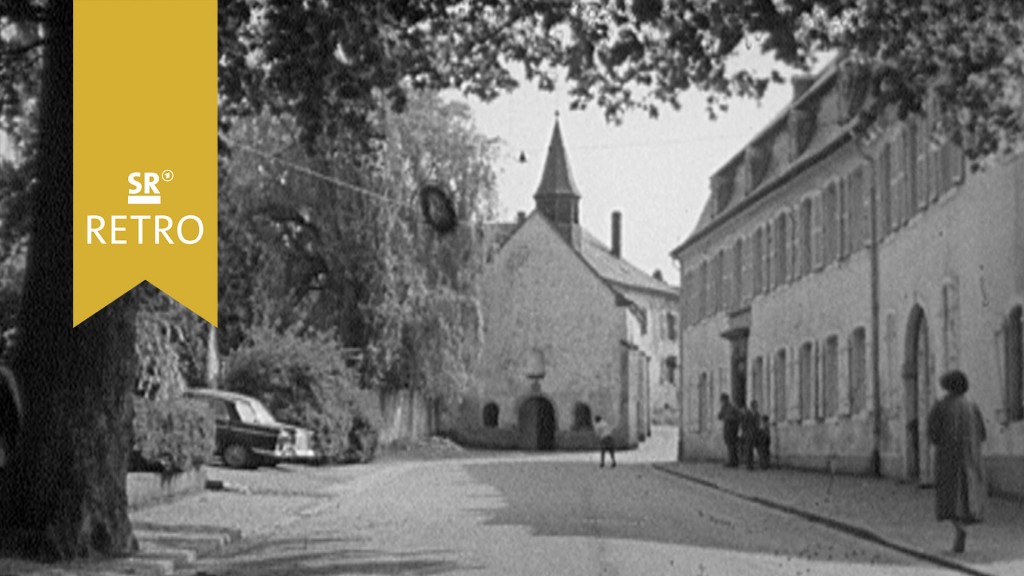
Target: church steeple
557, 197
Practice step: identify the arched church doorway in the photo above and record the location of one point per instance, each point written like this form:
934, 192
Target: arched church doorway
537, 424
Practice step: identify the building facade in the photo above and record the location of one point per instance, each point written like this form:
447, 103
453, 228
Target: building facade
837, 271
571, 330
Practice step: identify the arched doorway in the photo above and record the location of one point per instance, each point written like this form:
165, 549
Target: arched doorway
537, 424
917, 383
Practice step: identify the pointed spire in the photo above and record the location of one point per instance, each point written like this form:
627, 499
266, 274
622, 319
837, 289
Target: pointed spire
556, 179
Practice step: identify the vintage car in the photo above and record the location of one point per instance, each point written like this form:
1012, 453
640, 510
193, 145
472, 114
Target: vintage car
249, 436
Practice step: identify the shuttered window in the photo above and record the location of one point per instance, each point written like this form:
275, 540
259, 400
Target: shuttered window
857, 365
884, 191
779, 381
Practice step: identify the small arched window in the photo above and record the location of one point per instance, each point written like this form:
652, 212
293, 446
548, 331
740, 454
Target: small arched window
491, 415
581, 417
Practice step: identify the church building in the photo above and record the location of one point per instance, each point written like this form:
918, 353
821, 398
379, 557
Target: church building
572, 331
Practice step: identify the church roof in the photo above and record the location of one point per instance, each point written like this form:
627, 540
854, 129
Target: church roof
617, 270
556, 179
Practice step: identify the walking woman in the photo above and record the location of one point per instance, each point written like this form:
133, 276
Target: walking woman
956, 428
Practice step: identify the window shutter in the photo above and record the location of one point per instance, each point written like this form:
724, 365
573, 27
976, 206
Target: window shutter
844, 218
747, 286
843, 379
883, 184
922, 179
910, 166
794, 244
797, 227
896, 182
867, 189
725, 296
757, 260
855, 197
817, 243
830, 223
769, 258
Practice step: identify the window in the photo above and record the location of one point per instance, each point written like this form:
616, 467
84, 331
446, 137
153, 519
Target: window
780, 386
702, 285
781, 258
844, 219
884, 193
491, 415
805, 236
581, 417
737, 273
670, 370
830, 384
858, 371
717, 297
768, 247
670, 326
1014, 343
830, 223
858, 224
757, 381
758, 261
806, 367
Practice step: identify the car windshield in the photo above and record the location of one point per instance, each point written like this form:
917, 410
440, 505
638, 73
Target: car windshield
260, 414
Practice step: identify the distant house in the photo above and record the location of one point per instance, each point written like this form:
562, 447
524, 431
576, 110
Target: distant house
836, 273
571, 330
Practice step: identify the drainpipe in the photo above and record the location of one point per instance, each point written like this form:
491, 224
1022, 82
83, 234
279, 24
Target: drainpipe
876, 376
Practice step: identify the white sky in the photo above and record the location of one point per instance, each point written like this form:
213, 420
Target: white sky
656, 171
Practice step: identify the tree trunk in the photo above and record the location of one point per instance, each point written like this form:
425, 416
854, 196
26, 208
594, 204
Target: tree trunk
66, 494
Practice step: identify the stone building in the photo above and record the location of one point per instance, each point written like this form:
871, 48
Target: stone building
836, 273
571, 330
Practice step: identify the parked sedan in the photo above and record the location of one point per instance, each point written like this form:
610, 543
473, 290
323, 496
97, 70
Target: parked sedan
247, 433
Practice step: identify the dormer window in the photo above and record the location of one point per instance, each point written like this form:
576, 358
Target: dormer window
801, 126
756, 162
722, 188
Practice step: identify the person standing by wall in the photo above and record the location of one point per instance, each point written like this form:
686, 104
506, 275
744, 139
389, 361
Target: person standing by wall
603, 430
730, 417
956, 427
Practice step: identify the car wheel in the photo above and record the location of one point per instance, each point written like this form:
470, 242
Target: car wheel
237, 456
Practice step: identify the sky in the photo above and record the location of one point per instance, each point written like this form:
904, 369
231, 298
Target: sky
655, 171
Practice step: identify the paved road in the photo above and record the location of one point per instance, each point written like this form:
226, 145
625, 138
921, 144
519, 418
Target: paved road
547, 514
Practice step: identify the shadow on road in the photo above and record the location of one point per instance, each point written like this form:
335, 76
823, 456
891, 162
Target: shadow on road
635, 502
326, 555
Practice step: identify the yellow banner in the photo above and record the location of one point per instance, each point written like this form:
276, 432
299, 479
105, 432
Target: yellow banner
145, 151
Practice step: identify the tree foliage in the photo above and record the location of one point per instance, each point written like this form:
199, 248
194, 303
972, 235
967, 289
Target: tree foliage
333, 240
325, 61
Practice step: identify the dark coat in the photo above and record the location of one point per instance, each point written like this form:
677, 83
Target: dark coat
956, 428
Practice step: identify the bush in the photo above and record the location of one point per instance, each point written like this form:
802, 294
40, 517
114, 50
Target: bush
303, 380
171, 436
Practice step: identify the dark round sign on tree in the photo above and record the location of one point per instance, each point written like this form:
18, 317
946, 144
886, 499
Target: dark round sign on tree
438, 209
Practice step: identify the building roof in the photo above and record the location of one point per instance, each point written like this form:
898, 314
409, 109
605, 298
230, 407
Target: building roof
712, 214
617, 270
556, 180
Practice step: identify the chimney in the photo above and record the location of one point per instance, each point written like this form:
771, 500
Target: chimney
617, 234
657, 276
520, 218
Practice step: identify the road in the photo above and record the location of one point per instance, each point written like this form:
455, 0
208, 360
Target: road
547, 514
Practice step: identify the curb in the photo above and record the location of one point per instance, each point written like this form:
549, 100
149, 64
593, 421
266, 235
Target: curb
835, 524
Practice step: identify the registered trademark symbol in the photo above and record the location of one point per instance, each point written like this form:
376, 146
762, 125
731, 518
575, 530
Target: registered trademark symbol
167, 175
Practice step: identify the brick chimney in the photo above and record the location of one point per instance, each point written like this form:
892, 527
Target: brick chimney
617, 234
